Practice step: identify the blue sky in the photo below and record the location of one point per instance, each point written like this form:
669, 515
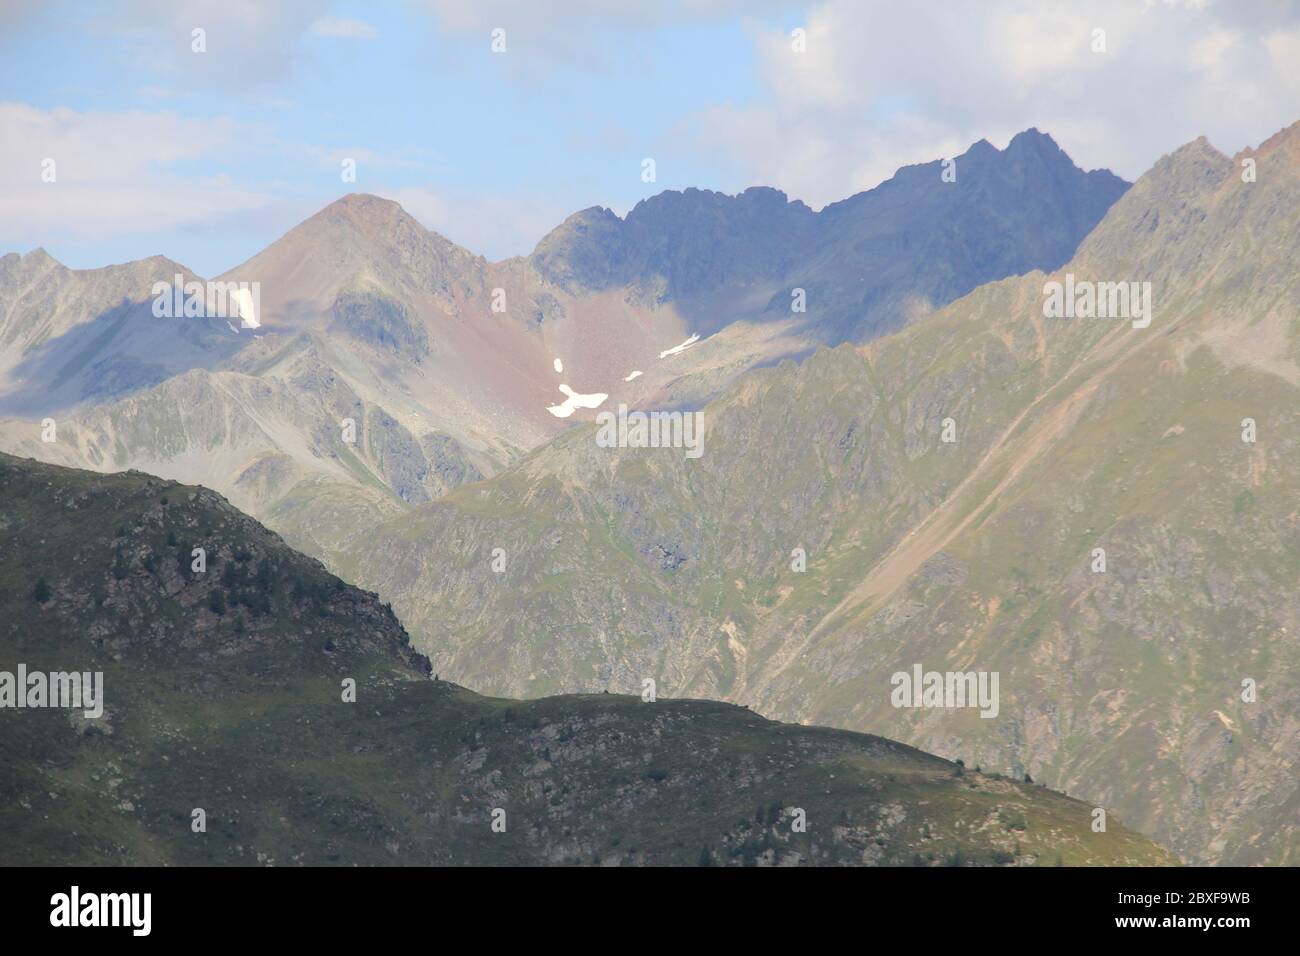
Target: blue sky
208, 157
418, 107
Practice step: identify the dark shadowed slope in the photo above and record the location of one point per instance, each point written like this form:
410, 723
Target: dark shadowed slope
866, 263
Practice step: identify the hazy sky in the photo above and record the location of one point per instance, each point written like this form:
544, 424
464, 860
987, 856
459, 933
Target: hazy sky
207, 157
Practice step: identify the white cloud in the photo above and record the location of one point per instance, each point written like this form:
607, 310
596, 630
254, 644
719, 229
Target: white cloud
883, 84
249, 43
344, 28
113, 174
465, 15
540, 36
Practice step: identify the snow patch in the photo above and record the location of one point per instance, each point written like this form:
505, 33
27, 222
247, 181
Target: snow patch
575, 401
245, 309
680, 348
559, 366
632, 376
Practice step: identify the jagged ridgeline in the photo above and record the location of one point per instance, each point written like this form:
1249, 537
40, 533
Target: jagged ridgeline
224, 692
388, 365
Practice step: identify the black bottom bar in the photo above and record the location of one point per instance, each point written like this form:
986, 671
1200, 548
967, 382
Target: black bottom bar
333, 906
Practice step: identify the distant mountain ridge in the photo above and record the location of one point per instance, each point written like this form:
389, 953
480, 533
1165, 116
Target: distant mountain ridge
857, 259
449, 367
70, 336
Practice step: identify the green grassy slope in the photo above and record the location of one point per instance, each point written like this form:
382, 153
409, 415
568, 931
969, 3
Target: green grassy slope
233, 705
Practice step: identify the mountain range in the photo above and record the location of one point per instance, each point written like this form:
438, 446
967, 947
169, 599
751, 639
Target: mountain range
919, 469
450, 366
1068, 435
